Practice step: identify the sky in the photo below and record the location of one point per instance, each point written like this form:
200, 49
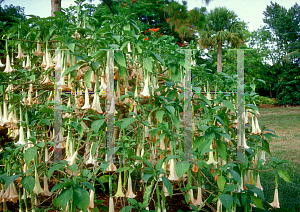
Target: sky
251, 11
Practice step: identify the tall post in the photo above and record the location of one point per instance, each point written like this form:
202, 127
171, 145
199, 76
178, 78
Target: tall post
188, 129
110, 107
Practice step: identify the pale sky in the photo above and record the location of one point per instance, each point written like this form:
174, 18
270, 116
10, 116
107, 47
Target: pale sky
248, 10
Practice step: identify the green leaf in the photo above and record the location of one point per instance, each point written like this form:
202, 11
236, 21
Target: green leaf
221, 182
88, 185
147, 194
147, 64
10, 179
197, 142
71, 46
221, 149
228, 104
181, 168
28, 183
97, 124
160, 115
132, 201
60, 186
175, 121
126, 122
227, 201
122, 169
170, 108
30, 154
168, 185
72, 68
257, 202
81, 198
64, 197
123, 72
257, 191
53, 168
87, 78
205, 146
235, 175
73, 168
120, 59
127, 208
284, 175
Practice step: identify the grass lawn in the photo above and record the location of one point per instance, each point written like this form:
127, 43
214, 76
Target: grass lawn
286, 123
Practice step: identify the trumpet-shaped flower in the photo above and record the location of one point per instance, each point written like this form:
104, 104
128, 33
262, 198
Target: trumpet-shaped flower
20, 53
211, 159
112, 106
92, 202
111, 167
145, 93
1, 64
96, 103
258, 185
44, 61
219, 206
46, 188
93, 79
199, 200
11, 193
86, 100
37, 188
275, 203
8, 68
244, 142
119, 190
173, 176
129, 193
263, 156
28, 62
72, 159
5, 116
91, 159
38, 51
21, 137
191, 193
257, 126
111, 205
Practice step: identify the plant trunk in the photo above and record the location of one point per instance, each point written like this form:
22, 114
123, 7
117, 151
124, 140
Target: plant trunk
55, 6
219, 57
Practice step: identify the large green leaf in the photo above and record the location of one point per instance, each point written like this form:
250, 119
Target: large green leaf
235, 175
227, 201
126, 122
257, 202
64, 197
30, 154
168, 185
147, 194
120, 59
284, 175
181, 168
221, 149
148, 64
53, 168
28, 183
228, 104
88, 185
87, 78
81, 198
160, 115
221, 182
97, 124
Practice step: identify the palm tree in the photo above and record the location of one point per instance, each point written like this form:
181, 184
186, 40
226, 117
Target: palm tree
222, 25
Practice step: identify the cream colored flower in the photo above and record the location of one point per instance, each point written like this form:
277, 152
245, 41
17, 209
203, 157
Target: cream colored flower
275, 203
8, 68
46, 188
211, 159
145, 93
20, 53
173, 176
119, 190
37, 188
86, 100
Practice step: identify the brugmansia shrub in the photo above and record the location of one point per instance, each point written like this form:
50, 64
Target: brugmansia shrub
147, 103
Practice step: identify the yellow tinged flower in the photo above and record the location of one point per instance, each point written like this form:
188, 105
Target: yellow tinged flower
173, 176
46, 188
37, 188
129, 193
211, 159
119, 190
275, 203
111, 205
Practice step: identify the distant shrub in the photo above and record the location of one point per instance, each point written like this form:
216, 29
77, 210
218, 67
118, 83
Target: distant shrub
265, 100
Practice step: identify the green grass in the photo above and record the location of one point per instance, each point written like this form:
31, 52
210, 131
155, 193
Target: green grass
286, 123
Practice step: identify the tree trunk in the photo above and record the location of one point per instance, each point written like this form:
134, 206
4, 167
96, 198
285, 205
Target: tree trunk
55, 6
219, 57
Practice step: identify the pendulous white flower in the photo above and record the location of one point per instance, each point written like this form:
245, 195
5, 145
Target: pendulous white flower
111, 205
37, 188
199, 200
129, 193
8, 68
263, 156
145, 93
38, 51
21, 137
46, 188
211, 159
92, 201
258, 185
20, 53
11, 193
173, 176
28, 62
58, 65
86, 100
119, 190
96, 103
275, 203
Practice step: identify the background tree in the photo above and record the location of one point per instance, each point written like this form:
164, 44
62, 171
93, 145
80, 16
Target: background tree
222, 27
